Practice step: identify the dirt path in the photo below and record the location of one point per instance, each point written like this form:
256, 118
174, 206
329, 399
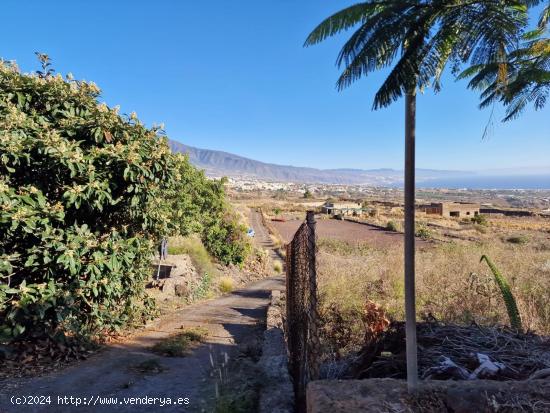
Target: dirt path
111, 375
230, 320
262, 238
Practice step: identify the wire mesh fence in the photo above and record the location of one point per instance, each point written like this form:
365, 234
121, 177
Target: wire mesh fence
302, 315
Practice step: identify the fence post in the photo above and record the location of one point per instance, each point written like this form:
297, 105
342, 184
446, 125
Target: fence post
313, 345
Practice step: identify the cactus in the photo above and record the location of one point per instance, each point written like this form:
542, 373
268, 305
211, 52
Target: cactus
509, 300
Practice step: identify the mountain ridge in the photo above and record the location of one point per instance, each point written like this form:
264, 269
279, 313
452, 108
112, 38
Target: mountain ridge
221, 163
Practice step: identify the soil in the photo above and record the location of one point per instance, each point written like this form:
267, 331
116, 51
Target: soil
346, 231
391, 396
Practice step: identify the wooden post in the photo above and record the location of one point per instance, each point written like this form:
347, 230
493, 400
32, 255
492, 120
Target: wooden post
410, 300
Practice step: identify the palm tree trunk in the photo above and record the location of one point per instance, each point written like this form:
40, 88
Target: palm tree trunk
410, 304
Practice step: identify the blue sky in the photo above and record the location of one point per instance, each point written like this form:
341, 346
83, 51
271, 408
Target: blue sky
233, 75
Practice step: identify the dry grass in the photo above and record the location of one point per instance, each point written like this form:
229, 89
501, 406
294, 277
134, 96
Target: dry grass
278, 267
226, 285
179, 345
452, 285
193, 246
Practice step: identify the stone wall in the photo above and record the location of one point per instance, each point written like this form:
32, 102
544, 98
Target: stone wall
277, 394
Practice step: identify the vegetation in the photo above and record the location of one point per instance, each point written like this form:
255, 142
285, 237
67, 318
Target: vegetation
521, 76
195, 204
203, 289
479, 219
85, 194
452, 287
278, 267
226, 285
179, 345
225, 238
508, 297
193, 247
308, 194
518, 239
392, 226
423, 232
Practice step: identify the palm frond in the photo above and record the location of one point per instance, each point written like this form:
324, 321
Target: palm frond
544, 17
420, 39
341, 21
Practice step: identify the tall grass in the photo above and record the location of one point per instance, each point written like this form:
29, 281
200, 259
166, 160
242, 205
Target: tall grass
452, 285
193, 247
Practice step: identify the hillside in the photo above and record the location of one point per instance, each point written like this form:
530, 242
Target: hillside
218, 163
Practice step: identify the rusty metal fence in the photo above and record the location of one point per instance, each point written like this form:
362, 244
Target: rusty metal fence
301, 309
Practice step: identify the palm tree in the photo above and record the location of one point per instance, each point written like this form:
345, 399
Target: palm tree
527, 78
421, 37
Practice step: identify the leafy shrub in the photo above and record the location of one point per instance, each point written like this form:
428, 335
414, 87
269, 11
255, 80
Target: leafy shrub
193, 201
277, 267
423, 232
479, 219
203, 289
226, 239
196, 204
85, 194
79, 186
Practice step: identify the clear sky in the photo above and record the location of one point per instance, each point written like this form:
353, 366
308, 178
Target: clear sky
233, 76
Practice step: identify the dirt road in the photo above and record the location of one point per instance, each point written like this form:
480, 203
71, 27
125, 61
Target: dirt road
262, 238
112, 373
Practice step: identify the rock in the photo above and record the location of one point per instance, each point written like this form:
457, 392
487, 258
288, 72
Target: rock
169, 284
181, 290
5, 352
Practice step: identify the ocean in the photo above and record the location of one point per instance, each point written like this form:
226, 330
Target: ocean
489, 182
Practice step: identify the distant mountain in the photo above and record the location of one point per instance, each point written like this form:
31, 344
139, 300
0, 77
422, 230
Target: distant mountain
218, 163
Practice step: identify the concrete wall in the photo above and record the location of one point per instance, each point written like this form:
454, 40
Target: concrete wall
459, 210
451, 209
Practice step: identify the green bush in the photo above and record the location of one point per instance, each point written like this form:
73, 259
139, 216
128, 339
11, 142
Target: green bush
225, 238
79, 190
479, 219
422, 232
193, 201
85, 196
